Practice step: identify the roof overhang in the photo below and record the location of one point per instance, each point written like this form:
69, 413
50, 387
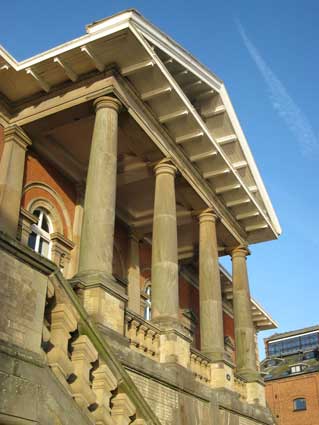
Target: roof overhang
189, 102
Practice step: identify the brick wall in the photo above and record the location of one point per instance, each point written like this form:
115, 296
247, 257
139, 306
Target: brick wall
281, 393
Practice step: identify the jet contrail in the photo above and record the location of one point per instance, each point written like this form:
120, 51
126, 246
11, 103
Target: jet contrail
282, 102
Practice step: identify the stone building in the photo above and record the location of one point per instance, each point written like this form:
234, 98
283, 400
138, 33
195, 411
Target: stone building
291, 371
124, 176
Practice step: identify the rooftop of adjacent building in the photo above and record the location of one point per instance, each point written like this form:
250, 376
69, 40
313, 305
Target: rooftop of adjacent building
291, 353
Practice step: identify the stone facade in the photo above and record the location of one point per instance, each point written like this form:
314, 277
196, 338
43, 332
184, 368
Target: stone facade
113, 215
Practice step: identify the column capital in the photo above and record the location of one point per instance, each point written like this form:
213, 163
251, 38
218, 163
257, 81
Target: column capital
208, 214
165, 167
107, 102
14, 133
240, 251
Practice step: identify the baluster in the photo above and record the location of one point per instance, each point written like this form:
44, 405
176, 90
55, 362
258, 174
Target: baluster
149, 340
63, 321
103, 383
141, 338
123, 409
83, 355
133, 333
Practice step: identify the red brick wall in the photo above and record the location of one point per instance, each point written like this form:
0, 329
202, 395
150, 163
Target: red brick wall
281, 393
38, 170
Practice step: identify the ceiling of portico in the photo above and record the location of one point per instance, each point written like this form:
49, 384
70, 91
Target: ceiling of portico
190, 103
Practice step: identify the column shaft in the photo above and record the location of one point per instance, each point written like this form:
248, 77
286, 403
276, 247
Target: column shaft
165, 301
133, 275
244, 328
211, 309
96, 252
11, 178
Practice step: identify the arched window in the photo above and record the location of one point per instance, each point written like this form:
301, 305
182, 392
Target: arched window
39, 239
148, 302
300, 404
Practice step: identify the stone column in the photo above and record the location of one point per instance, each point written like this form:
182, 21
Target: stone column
12, 163
244, 327
97, 237
133, 275
165, 301
211, 308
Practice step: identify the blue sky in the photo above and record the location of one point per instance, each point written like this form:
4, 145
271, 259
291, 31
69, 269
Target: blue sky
267, 54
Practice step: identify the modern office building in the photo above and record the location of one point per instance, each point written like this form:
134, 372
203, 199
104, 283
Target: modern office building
291, 371
124, 177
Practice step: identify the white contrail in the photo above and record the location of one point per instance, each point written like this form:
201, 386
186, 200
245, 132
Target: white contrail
282, 102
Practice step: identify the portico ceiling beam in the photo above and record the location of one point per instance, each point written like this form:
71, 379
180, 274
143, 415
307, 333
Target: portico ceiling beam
132, 69
4, 67
205, 95
240, 164
256, 227
173, 116
96, 61
155, 93
253, 189
216, 173
180, 73
66, 68
237, 202
249, 214
201, 156
189, 137
41, 82
168, 61
192, 86
217, 111
228, 188
226, 139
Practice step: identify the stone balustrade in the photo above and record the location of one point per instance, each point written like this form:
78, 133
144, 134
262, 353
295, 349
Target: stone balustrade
200, 366
78, 365
144, 337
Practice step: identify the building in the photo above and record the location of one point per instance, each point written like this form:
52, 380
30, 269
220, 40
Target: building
291, 371
124, 176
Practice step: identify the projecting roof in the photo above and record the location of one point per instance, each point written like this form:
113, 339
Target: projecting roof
190, 103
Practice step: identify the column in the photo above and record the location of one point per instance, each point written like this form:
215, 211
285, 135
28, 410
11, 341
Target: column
77, 228
244, 328
133, 275
165, 302
211, 309
96, 251
12, 163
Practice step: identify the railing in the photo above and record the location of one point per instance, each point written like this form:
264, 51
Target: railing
144, 337
89, 371
200, 366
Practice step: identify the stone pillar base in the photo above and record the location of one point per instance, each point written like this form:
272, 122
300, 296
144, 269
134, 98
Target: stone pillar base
174, 342
222, 375
256, 393
103, 298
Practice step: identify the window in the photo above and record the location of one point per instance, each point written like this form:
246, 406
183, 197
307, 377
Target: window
148, 303
296, 369
300, 404
39, 239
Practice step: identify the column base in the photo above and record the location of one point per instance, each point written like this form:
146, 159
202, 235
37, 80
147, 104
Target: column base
222, 375
175, 341
103, 298
256, 393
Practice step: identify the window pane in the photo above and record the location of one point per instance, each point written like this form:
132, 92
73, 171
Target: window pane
36, 213
45, 224
300, 404
32, 239
44, 248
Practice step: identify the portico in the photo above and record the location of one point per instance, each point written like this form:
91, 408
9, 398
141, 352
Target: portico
153, 146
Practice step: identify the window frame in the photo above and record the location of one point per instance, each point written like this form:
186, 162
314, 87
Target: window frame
298, 409
40, 233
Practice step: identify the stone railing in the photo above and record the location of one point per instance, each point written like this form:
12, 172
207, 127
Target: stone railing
200, 366
240, 387
87, 370
144, 337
